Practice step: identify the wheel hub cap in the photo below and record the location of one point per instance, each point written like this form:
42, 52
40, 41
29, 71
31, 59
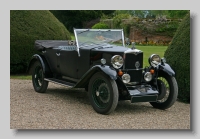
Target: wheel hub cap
97, 93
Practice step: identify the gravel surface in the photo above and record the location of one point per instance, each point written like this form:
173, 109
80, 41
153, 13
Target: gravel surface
64, 108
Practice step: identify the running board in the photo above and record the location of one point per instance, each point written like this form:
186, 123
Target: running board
60, 82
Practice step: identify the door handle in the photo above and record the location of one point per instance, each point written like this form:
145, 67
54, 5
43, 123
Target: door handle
58, 54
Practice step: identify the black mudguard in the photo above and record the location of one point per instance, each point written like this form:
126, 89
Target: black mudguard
110, 72
42, 60
166, 68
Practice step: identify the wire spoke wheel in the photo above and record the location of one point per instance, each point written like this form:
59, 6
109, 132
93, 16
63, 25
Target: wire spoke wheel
169, 90
103, 93
38, 76
100, 93
39, 84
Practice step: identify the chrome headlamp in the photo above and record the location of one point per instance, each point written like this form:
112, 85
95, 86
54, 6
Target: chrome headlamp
154, 60
117, 61
126, 78
147, 76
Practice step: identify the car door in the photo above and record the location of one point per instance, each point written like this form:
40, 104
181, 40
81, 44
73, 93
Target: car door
67, 61
52, 59
83, 62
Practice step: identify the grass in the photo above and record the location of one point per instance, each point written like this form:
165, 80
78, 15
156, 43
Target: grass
22, 77
72, 36
147, 51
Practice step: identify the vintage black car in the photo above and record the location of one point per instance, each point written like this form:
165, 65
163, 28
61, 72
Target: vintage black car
99, 61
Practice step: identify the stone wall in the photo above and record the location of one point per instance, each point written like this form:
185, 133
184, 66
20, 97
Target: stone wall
149, 35
140, 37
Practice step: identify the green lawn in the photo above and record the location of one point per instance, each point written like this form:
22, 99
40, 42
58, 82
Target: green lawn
22, 77
147, 51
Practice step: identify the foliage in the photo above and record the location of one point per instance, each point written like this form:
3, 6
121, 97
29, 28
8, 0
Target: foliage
169, 29
26, 26
154, 13
136, 13
75, 18
100, 26
178, 13
178, 56
117, 20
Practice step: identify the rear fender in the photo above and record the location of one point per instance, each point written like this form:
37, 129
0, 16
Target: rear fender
110, 72
42, 61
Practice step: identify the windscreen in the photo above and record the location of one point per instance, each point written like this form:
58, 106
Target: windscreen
87, 37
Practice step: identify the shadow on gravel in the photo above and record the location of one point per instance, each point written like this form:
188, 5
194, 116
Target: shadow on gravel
74, 95
80, 96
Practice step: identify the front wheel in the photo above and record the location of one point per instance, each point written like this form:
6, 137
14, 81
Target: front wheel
169, 85
103, 93
39, 84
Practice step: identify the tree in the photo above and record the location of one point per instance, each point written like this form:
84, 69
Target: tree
178, 56
178, 13
154, 13
75, 18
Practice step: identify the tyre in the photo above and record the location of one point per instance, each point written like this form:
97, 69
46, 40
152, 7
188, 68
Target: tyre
103, 93
39, 84
168, 84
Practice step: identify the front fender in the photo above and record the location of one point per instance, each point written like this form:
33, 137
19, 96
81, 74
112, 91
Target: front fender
166, 68
97, 68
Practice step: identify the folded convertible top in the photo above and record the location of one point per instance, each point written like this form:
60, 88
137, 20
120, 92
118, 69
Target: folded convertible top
48, 44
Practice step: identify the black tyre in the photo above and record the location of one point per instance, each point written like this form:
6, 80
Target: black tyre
168, 84
103, 93
39, 84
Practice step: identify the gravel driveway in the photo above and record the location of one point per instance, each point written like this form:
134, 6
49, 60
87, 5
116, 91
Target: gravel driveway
64, 108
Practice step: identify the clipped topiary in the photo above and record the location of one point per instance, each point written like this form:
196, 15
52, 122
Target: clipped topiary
178, 56
100, 26
26, 26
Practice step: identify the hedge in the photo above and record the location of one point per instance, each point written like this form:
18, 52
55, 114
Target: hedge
178, 56
26, 26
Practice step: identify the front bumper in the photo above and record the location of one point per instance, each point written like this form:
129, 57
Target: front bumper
142, 93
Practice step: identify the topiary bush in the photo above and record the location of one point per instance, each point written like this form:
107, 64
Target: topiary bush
26, 26
178, 56
100, 26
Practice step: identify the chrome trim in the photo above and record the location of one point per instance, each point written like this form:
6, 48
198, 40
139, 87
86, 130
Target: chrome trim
77, 42
123, 38
58, 54
95, 30
98, 29
132, 51
114, 63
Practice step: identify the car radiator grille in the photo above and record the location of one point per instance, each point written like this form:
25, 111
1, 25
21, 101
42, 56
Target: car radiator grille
130, 63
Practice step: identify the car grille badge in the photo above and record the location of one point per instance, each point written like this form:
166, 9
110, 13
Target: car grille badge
137, 64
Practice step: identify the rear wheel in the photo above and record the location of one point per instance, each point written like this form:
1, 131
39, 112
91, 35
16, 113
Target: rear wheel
103, 93
168, 84
39, 84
